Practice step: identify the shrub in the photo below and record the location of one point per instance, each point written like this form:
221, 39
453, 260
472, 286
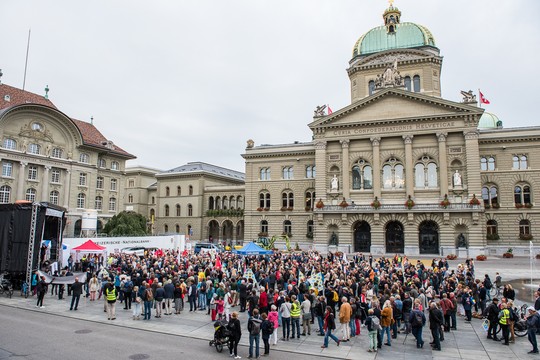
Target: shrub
492, 237
451, 256
481, 258
525, 237
508, 255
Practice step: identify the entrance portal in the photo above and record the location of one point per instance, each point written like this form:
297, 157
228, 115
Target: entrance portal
428, 233
395, 242
362, 237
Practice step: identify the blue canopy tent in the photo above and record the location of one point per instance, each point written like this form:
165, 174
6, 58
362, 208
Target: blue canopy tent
252, 249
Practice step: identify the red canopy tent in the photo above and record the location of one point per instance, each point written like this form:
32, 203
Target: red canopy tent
90, 247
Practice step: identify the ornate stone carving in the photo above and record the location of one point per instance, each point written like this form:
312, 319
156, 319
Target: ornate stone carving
344, 143
375, 140
250, 144
319, 111
407, 139
471, 135
320, 145
390, 78
442, 136
468, 97
385, 59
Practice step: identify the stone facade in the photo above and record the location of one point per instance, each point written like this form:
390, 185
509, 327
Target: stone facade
47, 156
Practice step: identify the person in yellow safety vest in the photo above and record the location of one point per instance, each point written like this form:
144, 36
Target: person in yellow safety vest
110, 296
504, 321
296, 312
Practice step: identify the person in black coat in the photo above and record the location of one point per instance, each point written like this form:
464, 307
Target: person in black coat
235, 334
492, 313
436, 320
41, 290
242, 291
76, 292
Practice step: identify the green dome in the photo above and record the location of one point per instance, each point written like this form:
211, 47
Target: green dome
406, 35
489, 121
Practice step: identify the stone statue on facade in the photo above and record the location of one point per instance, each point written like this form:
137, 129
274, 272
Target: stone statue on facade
468, 97
319, 111
334, 183
462, 242
457, 178
390, 78
333, 239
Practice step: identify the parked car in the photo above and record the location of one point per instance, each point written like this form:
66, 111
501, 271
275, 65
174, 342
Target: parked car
137, 250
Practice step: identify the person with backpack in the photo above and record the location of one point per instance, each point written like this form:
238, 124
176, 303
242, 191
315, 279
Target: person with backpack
533, 324
254, 329
373, 326
148, 298
267, 328
329, 325
285, 312
436, 320
274, 318
487, 285
417, 319
159, 297
128, 289
235, 334
110, 296
201, 290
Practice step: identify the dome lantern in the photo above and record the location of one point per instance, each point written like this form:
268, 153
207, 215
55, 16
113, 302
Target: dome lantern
391, 18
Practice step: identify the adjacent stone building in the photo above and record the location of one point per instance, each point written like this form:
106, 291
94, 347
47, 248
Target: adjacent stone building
48, 156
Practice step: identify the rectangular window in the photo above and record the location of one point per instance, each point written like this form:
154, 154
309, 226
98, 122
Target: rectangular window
113, 184
112, 204
99, 183
82, 179
32, 172
7, 169
55, 176
99, 203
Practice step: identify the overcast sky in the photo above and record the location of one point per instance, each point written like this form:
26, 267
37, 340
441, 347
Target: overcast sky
179, 81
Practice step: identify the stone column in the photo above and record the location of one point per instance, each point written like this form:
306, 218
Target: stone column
67, 185
321, 185
45, 184
375, 142
346, 183
443, 163
473, 181
409, 165
20, 183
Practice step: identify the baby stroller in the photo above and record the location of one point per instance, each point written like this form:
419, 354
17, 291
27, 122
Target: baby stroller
221, 335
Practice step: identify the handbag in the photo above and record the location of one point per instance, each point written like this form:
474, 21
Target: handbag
138, 300
306, 316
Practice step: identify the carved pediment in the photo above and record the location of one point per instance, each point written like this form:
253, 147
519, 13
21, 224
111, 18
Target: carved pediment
38, 134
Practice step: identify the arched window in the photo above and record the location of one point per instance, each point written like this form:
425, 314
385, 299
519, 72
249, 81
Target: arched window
362, 175
218, 203
152, 214
84, 158
393, 174
225, 203
240, 202
287, 227
265, 173
177, 228
211, 203
425, 173
112, 204
264, 227
102, 163
522, 194
309, 233
57, 153
10, 144
190, 210
232, 202
310, 172
99, 182
5, 194
81, 201
490, 196
371, 87
416, 83
492, 228
130, 198
487, 163
524, 228
288, 173
190, 189
287, 199
53, 197
166, 210
34, 149
166, 228
519, 162
177, 209
264, 200
310, 199
98, 203
167, 191
408, 83
115, 165
178, 191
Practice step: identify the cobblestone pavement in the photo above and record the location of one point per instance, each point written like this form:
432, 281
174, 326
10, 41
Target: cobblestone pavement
468, 342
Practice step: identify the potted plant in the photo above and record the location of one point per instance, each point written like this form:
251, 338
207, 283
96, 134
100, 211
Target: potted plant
445, 203
525, 237
495, 205
283, 208
309, 235
259, 209
509, 253
528, 205
481, 258
344, 203
409, 204
290, 208
263, 234
266, 209
474, 201
518, 205
492, 237
307, 208
451, 256
319, 204
376, 203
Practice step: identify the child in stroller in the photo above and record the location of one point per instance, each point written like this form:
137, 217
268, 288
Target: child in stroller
221, 335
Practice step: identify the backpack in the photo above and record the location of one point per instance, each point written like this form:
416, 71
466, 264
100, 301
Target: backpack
149, 294
269, 327
336, 297
255, 327
417, 319
376, 324
487, 284
128, 286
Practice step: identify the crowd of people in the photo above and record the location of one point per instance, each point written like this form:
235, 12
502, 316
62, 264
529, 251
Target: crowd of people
289, 295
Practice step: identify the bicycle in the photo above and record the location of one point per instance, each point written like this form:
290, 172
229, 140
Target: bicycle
5, 286
495, 291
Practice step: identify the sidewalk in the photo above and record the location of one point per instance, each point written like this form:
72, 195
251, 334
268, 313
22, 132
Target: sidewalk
469, 342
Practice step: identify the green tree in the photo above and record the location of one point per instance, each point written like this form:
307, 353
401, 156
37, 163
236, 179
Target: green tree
126, 223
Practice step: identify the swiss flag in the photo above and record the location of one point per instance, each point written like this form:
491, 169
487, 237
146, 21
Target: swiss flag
483, 99
329, 110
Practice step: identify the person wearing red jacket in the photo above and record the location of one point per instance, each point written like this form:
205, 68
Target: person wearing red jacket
263, 301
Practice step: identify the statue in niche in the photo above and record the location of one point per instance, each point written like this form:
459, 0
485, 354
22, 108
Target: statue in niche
333, 239
462, 242
457, 178
334, 183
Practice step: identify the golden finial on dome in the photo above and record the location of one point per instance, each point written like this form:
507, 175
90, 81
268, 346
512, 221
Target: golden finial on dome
391, 2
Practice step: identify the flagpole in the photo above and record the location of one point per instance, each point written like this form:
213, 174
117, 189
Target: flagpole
26, 61
480, 98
